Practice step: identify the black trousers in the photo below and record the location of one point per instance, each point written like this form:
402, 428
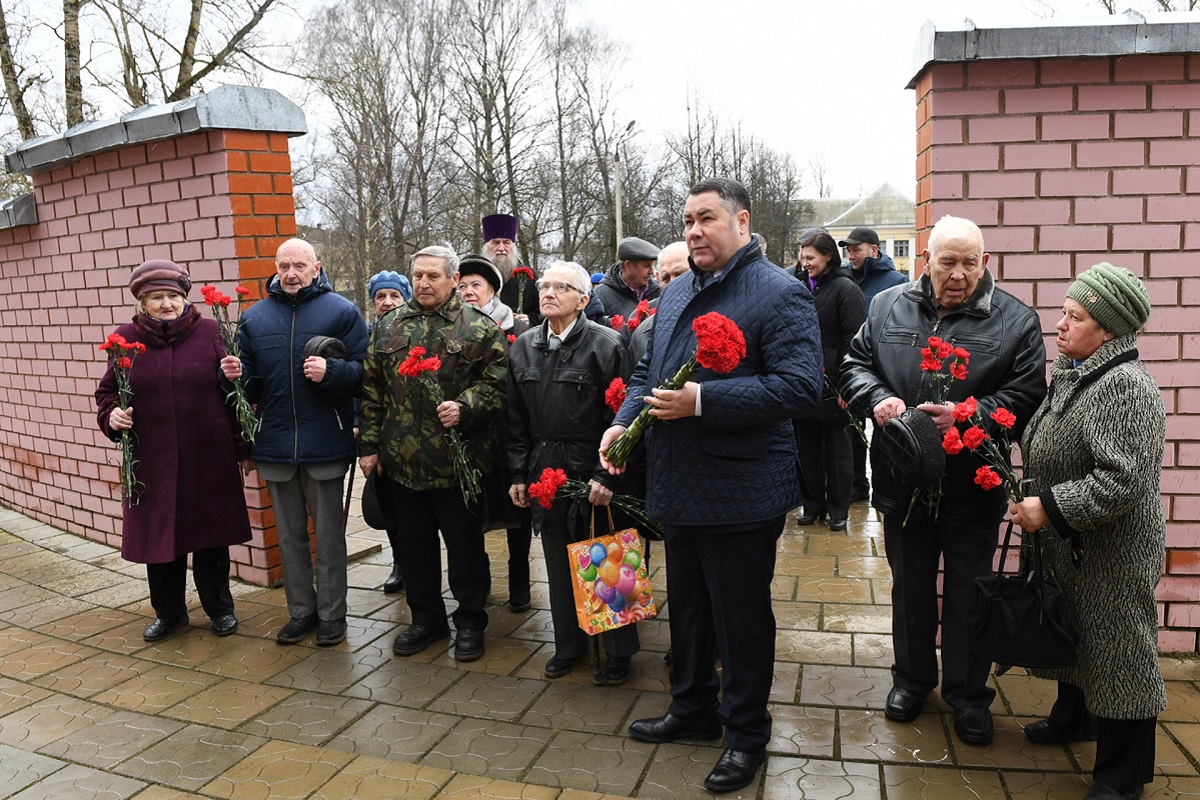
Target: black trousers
859, 449
519, 539
826, 461
1124, 747
913, 552
719, 590
419, 517
210, 572
569, 639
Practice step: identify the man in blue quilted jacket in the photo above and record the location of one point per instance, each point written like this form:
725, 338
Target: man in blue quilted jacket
722, 475
305, 443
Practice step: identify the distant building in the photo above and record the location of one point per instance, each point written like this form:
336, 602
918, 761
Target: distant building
885, 210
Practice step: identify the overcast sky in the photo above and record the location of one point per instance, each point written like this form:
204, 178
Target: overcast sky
815, 78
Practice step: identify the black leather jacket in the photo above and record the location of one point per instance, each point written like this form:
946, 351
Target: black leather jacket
1007, 368
556, 410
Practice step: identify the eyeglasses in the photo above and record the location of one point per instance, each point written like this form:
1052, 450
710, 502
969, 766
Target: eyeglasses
556, 287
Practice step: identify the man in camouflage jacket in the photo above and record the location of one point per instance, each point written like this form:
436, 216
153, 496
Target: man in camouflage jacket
403, 437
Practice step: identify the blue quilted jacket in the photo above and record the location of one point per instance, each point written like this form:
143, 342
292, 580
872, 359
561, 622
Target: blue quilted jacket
302, 421
735, 465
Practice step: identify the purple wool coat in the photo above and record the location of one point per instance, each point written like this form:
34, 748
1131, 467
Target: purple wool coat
185, 442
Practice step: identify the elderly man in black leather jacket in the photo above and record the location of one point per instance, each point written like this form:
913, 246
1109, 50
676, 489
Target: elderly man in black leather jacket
957, 300
558, 374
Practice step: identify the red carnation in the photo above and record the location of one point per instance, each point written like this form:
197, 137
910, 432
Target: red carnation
952, 443
124, 362
961, 354
523, 272
1004, 418
614, 396
243, 291
935, 342
511, 338
415, 364
617, 322
634, 322
720, 345
944, 350
973, 437
965, 410
987, 478
959, 370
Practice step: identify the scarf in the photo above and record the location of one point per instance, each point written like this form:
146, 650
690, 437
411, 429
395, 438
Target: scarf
164, 333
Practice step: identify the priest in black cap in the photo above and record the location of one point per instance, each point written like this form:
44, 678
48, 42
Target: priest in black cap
500, 246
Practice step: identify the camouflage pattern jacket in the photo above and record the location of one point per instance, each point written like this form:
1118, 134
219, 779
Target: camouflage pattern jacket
398, 416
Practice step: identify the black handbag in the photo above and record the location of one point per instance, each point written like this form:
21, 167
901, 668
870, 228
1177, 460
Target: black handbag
1018, 620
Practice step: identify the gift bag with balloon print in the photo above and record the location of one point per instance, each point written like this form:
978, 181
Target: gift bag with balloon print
612, 588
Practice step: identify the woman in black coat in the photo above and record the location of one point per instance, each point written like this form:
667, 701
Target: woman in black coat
823, 438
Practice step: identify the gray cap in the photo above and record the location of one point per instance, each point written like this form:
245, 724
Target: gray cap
635, 249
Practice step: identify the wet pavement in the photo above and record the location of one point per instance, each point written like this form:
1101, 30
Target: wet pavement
89, 710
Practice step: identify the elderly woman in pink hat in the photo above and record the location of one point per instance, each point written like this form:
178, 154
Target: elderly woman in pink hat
191, 500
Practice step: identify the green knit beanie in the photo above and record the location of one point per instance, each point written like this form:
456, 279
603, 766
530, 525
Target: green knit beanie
1114, 296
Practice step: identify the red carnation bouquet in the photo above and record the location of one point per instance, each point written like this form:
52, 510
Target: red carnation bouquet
122, 354
421, 369
546, 490
942, 373
640, 315
720, 347
219, 303
998, 470
523, 275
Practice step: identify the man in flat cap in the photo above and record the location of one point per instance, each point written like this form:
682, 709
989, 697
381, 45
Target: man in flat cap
500, 246
873, 271
630, 280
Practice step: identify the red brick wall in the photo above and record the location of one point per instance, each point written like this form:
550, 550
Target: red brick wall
1068, 162
218, 202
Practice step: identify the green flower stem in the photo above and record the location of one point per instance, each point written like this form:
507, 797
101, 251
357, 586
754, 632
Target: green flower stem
632, 506
465, 473
618, 452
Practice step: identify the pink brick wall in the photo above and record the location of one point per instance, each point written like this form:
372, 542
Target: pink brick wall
218, 202
1067, 162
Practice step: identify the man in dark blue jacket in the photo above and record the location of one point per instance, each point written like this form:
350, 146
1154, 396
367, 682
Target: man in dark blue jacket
722, 475
306, 440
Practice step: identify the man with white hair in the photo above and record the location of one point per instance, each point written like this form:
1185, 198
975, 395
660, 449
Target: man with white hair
957, 300
404, 438
557, 378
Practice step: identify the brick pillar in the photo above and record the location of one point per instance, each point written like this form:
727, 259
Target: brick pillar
1068, 161
108, 196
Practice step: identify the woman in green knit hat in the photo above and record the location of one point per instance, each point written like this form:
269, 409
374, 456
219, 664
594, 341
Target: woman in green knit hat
1093, 457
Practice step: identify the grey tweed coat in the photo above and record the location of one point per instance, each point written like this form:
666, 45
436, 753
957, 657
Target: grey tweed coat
1093, 452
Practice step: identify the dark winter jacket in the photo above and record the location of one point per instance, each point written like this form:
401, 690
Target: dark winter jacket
302, 421
1007, 368
191, 496
556, 409
735, 465
841, 311
618, 298
526, 301
877, 274
399, 415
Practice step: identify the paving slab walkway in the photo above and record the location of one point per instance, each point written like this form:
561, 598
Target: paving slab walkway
89, 710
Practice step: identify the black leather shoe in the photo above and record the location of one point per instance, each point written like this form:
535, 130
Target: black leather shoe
162, 627
617, 670
519, 603
1051, 731
224, 625
974, 725
395, 581
859, 495
903, 705
667, 728
468, 645
558, 666
1101, 791
735, 769
331, 631
838, 524
809, 519
416, 638
296, 629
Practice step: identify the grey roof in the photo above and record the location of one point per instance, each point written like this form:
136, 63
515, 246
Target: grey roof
243, 108
1107, 35
885, 207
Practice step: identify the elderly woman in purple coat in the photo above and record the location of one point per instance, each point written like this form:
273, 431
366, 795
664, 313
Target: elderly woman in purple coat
192, 500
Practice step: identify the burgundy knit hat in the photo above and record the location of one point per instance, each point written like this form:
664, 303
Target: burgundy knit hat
159, 274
